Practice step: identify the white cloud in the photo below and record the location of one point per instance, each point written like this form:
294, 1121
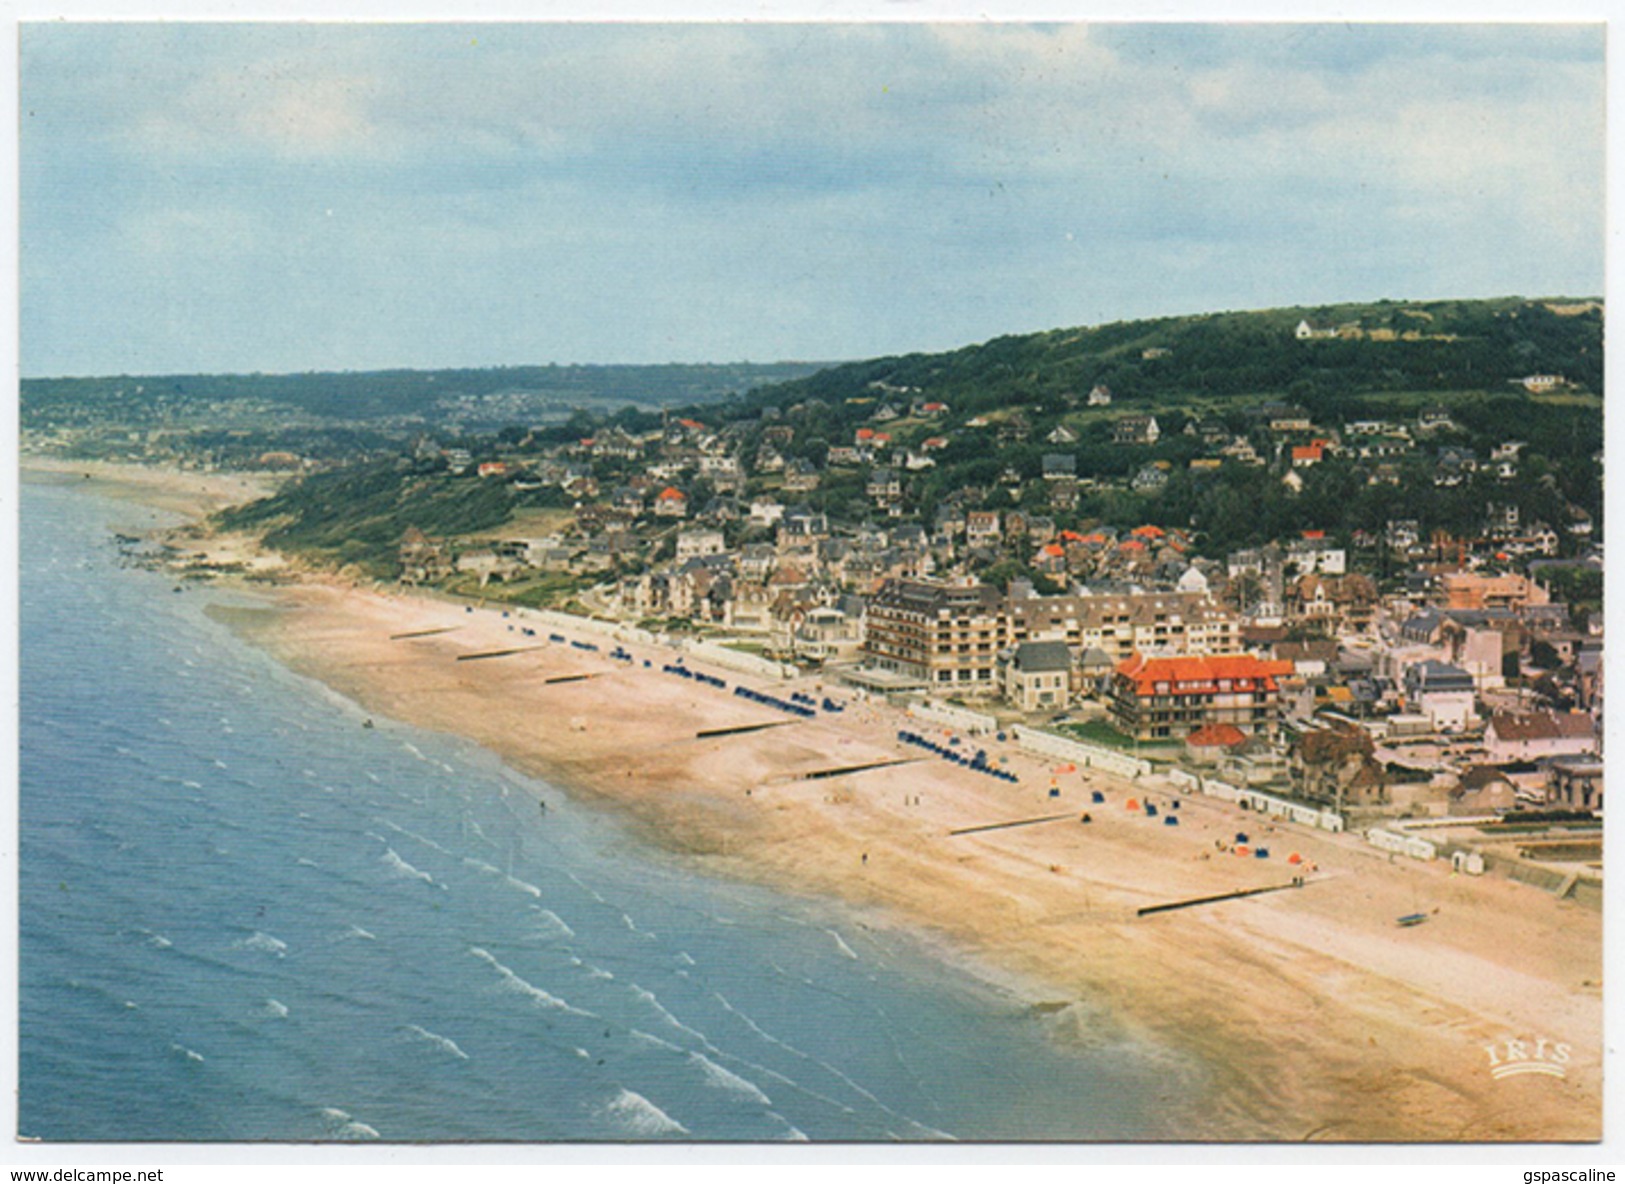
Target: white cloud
826, 191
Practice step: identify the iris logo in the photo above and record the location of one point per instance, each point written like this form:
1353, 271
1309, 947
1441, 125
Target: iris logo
1512, 1058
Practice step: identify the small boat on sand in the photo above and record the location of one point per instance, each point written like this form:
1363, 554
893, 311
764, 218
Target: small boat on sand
1410, 919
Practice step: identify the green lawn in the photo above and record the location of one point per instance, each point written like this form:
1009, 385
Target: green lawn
1097, 731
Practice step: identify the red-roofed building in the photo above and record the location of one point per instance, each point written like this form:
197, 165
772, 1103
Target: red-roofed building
1207, 744
1050, 559
1169, 698
1304, 455
1147, 532
671, 502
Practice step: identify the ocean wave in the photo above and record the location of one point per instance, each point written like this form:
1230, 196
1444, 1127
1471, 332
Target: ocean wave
639, 1117
402, 868
639, 1036
342, 1126
357, 931
719, 1078
156, 940
633, 927
262, 943
522, 886
187, 1054
841, 945
659, 1009
442, 1043
274, 1010
792, 1133
583, 885
550, 925
427, 842
519, 986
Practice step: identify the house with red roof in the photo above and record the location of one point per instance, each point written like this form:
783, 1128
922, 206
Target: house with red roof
1304, 455
1169, 698
671, 502
1050, 559
1209, 743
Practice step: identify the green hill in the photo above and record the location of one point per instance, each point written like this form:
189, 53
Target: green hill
1387, 348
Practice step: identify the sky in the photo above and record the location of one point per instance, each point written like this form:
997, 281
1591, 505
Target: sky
281, 197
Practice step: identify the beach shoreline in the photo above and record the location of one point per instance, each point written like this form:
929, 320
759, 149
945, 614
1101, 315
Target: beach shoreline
1308, 1014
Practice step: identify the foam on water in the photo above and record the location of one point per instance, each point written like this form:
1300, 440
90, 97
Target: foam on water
719, 1078
550, 925
341, 1126
637, 1116
841, 945
442, 1043
666, 1016
401, 867
514, 983
263, 943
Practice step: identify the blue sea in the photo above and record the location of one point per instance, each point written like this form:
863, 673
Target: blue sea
246, 916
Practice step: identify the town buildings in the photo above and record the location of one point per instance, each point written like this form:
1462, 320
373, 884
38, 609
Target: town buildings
1169, 698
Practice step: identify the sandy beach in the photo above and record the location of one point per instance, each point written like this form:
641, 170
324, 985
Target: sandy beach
1310, 1014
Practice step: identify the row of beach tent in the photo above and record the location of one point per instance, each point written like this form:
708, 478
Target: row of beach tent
774, 701
698, 676
977, 763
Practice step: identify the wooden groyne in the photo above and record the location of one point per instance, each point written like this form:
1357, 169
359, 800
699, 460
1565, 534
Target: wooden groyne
423, 632
496, 653
1196, 900
743, 728
820, 774
558, 678
971, 830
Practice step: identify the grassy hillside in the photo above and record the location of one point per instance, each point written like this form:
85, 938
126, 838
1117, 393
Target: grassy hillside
1454, 345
